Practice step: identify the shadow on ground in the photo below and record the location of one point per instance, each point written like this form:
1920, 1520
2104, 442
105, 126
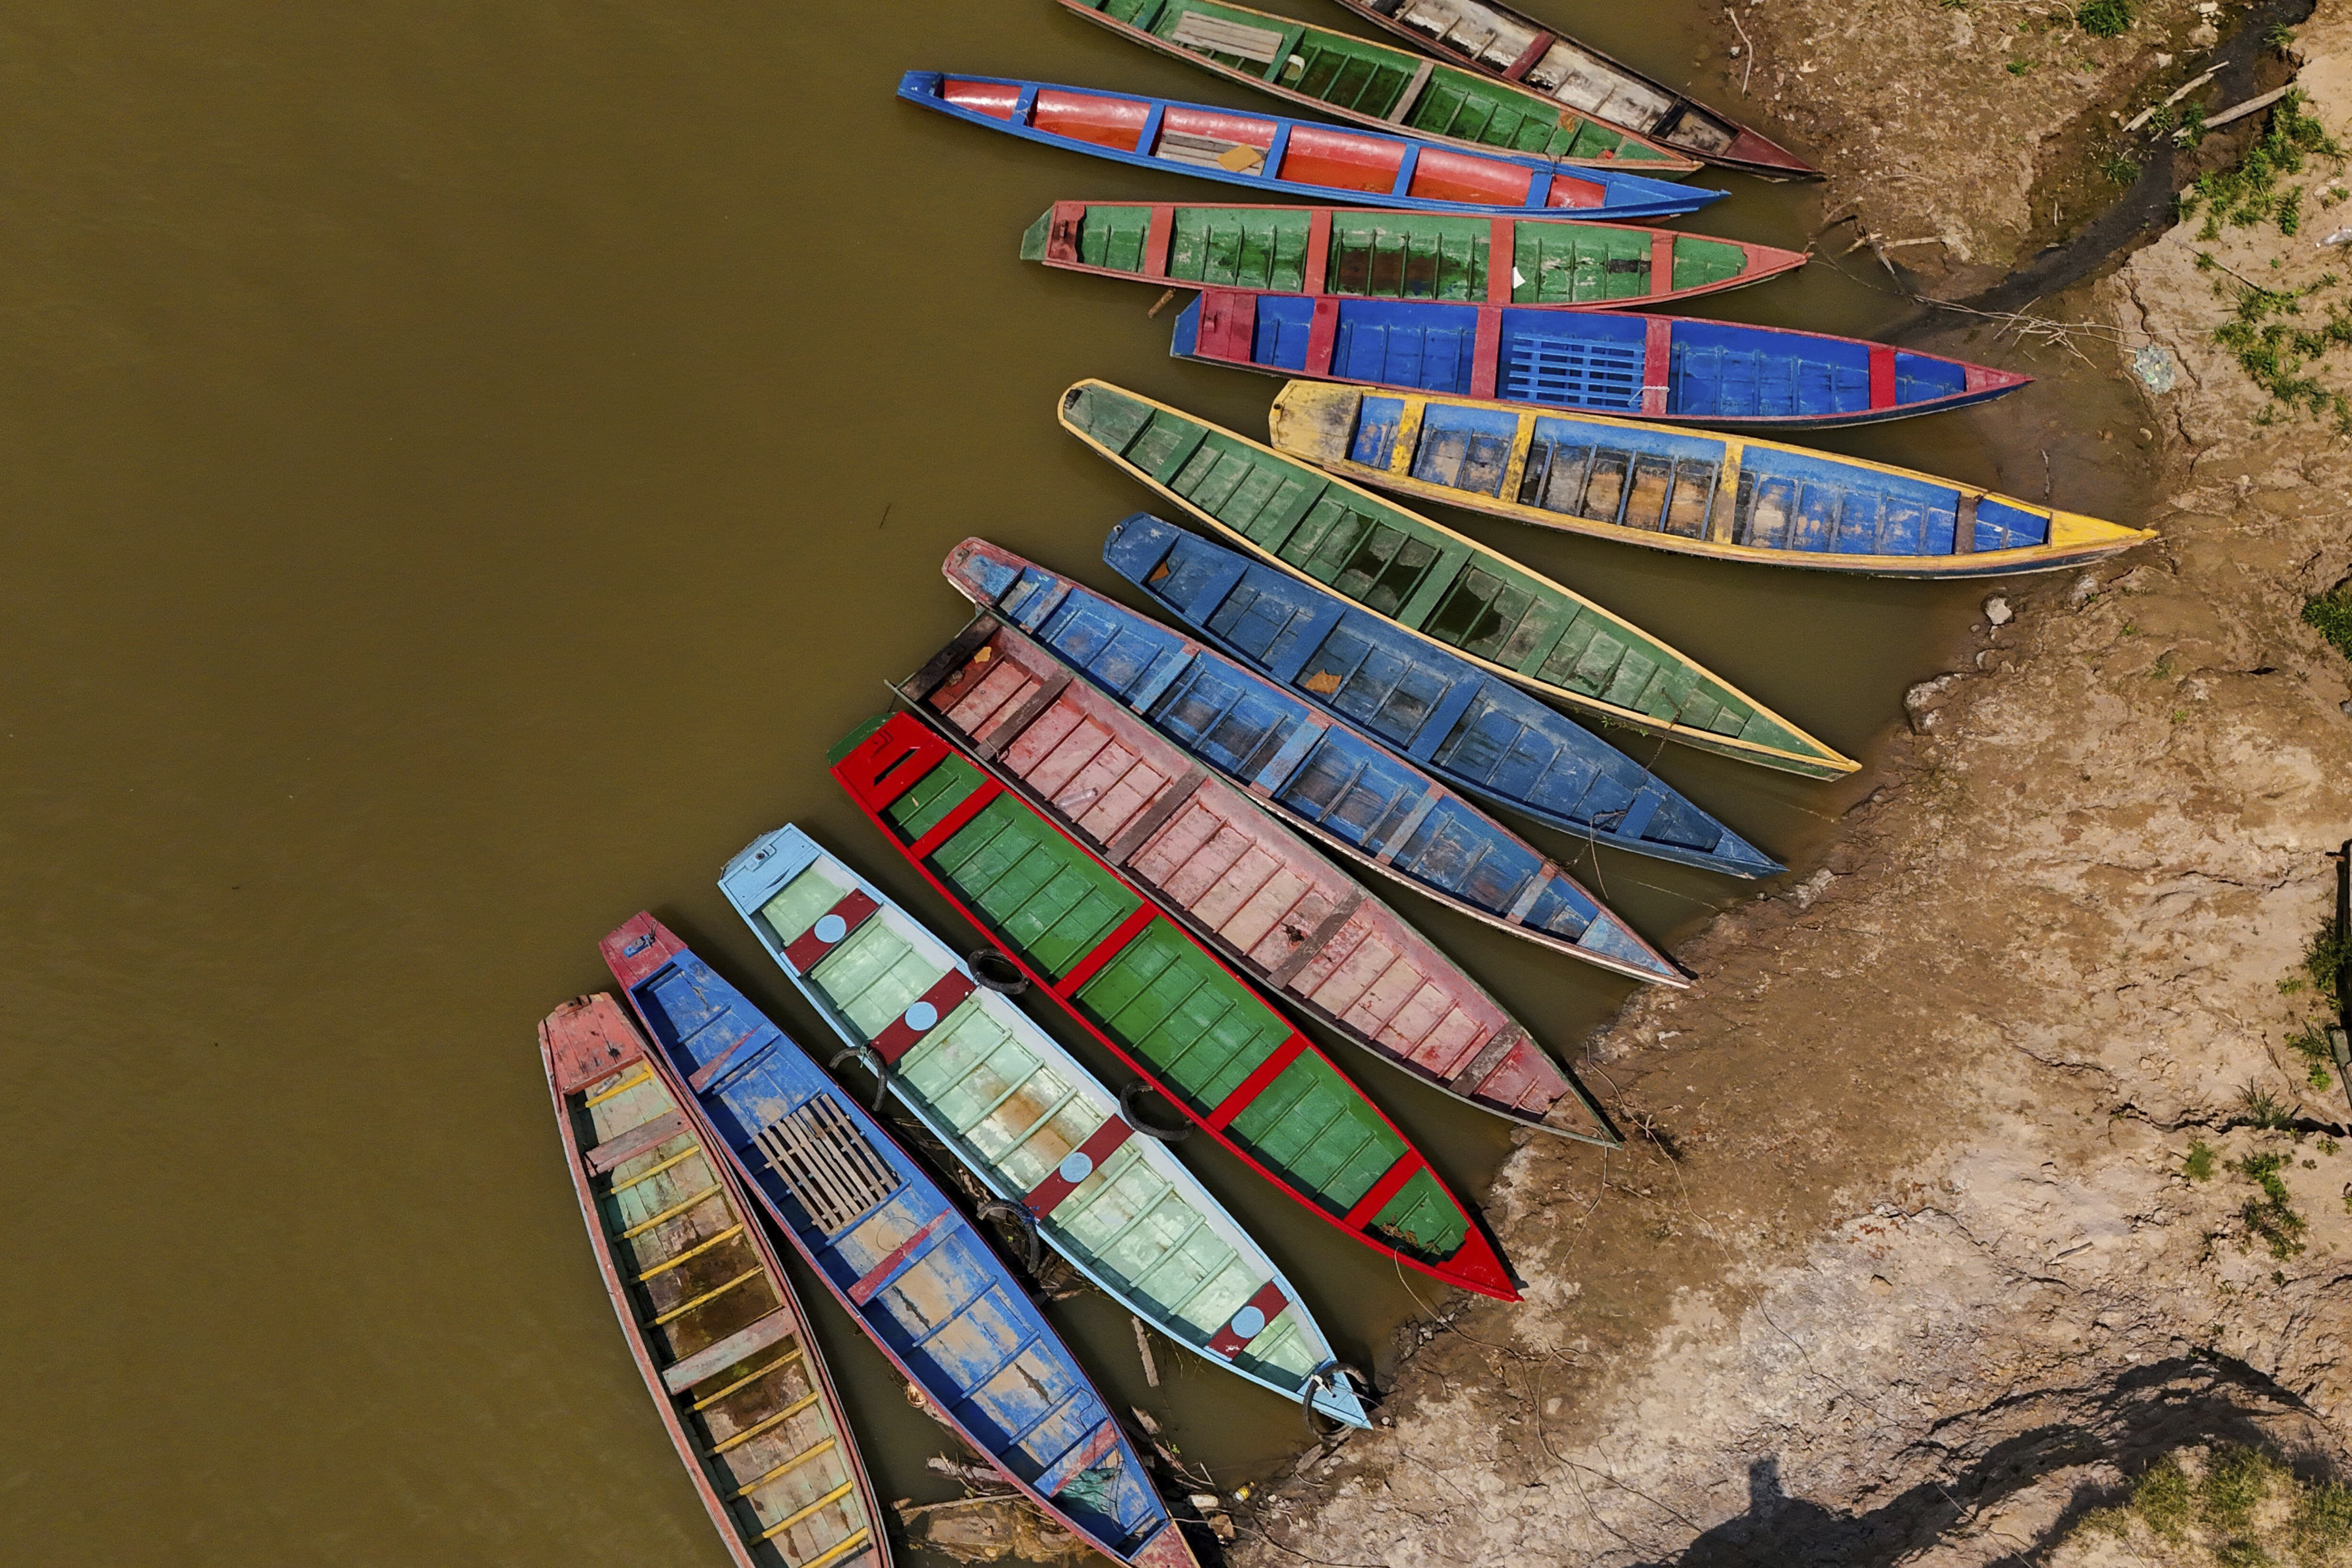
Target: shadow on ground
2156, 1409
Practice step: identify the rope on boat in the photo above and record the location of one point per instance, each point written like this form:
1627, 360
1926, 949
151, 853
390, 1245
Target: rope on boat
993, 969
1126, 1098
1331, 1374
1019, 1214
873, 1063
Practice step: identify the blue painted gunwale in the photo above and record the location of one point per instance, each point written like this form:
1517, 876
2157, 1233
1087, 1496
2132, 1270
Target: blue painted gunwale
752, 1076
1146, 666
1624, 196
774, 859
1720, 374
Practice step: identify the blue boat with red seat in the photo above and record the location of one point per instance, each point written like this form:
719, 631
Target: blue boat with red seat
897, 1255
1291, 159
1673, 369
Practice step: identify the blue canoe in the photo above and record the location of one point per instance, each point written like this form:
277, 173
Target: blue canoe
1280, 739
1041, 1131
1675, 369
1291, 159
901, 1259
1478, 732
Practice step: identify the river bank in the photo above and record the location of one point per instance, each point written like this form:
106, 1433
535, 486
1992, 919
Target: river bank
1954, 1205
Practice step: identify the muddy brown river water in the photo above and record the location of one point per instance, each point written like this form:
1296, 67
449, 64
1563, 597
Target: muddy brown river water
462, 469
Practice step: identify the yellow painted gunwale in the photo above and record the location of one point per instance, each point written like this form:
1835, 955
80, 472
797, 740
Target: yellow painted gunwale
1825, 762
2074, 538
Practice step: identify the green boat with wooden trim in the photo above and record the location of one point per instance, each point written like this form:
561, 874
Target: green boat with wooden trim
1369, 254
1377, 85
1443, 588
1146, 989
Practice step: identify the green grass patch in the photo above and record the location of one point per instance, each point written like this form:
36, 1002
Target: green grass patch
2199, 1164
2330, 614
2272, 1216
2104, 19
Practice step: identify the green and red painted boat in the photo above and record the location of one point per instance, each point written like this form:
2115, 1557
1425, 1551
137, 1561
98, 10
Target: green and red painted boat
1299, 927
1135, 981
1364, 253
710, 1317
1378, 85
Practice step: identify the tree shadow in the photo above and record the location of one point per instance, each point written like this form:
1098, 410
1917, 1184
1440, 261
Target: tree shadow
2153, 1410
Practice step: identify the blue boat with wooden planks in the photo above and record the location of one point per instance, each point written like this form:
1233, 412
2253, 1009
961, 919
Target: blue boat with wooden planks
1248, 886
1675, 369
1031, 1121
1445, 588
906, 1265
709, 1315
1300, 753
1731, 498
1294, 158
1125, 972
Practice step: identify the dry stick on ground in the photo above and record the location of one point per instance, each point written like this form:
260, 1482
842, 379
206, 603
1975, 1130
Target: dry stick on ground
1746, 48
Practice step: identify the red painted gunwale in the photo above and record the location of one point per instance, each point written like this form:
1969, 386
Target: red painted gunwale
600, 1012
904, 749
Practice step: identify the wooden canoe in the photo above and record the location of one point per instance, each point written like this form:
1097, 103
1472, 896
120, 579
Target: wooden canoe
897, 1255
1377, 85
1508, 46
1671, 369
1446, 589
1137, 981
1293, 158
1365, 253
1256, 893
1732, 497
1031, 1121
706, 1307
1263, 726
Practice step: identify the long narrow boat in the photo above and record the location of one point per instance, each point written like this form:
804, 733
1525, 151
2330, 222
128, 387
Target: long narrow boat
1162, 1003
1667, 368
1256, 893
1027, 1116
1294, 158
1732, 497
710, 1316
1449, 591
897, 1255
1376, 84
1258, 725
1365, 253
1507, 46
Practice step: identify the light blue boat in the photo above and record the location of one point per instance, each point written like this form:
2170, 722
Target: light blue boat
1023, 1115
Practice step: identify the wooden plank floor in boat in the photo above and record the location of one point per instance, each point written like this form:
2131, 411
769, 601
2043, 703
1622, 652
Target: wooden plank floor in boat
721, 1328
1278, 909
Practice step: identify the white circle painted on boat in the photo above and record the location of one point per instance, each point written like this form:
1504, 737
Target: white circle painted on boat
1249, 1322
831, 929
1076, 1167
921, 1016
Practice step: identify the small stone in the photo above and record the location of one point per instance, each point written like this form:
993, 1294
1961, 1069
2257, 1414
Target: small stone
2345, 708
1881, 1285
2085, 589
1996, 610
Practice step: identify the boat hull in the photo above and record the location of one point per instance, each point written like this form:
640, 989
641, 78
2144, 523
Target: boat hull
898, 1256
1027, 1118
1376, 84
1518, 49
1474, 864
1258, 895
1293, 158
1729, 497
1135, 981
741, 1385
1549, 264
1450, 592
1664, 369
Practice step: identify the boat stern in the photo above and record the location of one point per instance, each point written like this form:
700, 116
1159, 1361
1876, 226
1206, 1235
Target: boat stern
982, 571
587, 1038
638, 948
1313, 420
766, 864
2077, 537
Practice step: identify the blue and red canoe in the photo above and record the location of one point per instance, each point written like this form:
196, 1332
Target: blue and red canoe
897, 1255
1672, 369
1290, 159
